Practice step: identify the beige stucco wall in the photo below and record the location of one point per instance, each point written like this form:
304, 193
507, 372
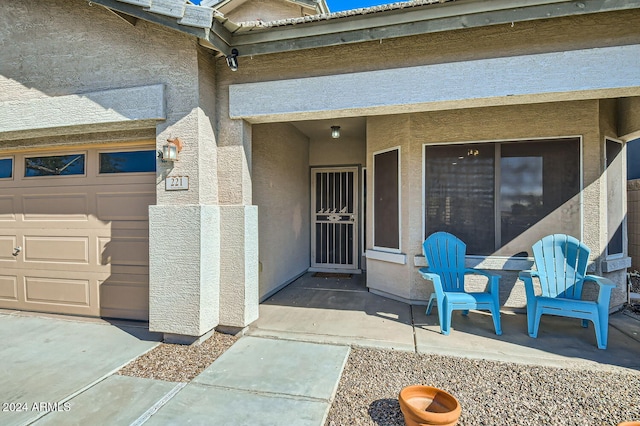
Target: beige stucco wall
265, 10
578, 32
629, 123
633, 222
337, 152
82, 48
410, 132
281, 182
578, 118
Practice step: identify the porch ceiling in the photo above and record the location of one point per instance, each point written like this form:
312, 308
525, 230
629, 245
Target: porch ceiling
352, 128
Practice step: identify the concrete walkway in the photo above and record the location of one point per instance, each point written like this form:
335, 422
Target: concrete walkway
60, 371
284, 372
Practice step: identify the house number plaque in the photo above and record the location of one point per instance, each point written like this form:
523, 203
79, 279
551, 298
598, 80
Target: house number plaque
176, 183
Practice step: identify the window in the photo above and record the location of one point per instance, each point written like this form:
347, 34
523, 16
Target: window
386, 199
128, 161
6, 168
499, 198
56, 165
615, 197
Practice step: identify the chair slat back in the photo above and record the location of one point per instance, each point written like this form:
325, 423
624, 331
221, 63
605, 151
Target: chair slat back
561, 261
445, 255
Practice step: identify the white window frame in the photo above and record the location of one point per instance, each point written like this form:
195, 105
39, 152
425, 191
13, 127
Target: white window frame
373, 192
55, 154
424, 172
623, 180
13, 167
127, 149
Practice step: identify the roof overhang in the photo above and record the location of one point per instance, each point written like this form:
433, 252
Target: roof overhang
362, 25
429, 18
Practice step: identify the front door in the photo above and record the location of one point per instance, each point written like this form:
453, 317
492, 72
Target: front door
334, 207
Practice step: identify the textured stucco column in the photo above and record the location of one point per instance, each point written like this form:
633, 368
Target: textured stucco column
239, 281
183, 270
239, 266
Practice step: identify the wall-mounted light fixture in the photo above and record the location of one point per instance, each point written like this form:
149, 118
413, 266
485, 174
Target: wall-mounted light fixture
335, 132
170, 150
232, 60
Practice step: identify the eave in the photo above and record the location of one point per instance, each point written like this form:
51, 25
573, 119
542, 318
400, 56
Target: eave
448, 16
362, 25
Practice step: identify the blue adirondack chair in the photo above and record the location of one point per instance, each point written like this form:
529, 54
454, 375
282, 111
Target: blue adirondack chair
561, 267
445, 255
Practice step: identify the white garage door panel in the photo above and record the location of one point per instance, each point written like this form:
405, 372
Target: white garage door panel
56, 249
7, 210
84, 241
7, 243
125, 206
57, 291
55, 206
9, 288
121, 297
124, 251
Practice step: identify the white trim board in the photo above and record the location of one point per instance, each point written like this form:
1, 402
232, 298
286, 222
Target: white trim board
545, 77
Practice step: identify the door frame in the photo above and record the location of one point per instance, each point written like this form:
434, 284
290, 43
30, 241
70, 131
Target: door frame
357, 231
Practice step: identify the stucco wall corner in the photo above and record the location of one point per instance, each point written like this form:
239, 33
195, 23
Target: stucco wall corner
239, 259
183, 272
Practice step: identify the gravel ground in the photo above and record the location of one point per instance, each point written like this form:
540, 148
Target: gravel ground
490, 393
178, 363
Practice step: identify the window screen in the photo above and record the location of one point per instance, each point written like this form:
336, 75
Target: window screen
386, 212
491, 195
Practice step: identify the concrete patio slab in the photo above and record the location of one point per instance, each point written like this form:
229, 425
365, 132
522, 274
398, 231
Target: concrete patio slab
117, 400
285, 367
206, 405
50, 359
336, 312
561, 342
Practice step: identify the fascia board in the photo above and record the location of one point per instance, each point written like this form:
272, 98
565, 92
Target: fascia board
407, 22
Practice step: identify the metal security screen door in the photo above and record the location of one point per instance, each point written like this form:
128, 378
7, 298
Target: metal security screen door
334, 219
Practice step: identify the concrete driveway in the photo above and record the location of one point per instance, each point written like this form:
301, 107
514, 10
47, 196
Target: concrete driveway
48, 360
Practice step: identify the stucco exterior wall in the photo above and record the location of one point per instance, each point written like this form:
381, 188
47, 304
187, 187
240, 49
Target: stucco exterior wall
67, 48
337, 152
633, 222
412, 131
553, 35
281, 185
629, 123
265, 10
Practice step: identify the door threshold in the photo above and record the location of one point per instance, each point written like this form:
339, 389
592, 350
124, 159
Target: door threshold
335, 270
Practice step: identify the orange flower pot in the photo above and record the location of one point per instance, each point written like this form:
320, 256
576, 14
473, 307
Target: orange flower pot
629, 424
426, 405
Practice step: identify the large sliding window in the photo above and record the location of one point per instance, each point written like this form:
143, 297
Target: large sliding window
499, 198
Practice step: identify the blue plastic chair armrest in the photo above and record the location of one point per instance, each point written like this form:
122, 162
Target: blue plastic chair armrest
606, 285
434, 278
527, 278
601, 281
528, 274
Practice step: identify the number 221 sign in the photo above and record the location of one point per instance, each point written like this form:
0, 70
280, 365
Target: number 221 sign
176, 183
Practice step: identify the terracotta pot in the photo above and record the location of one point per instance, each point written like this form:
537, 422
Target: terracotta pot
629, 424
426, 405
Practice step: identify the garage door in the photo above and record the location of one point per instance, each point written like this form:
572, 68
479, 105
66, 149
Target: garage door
74, 231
